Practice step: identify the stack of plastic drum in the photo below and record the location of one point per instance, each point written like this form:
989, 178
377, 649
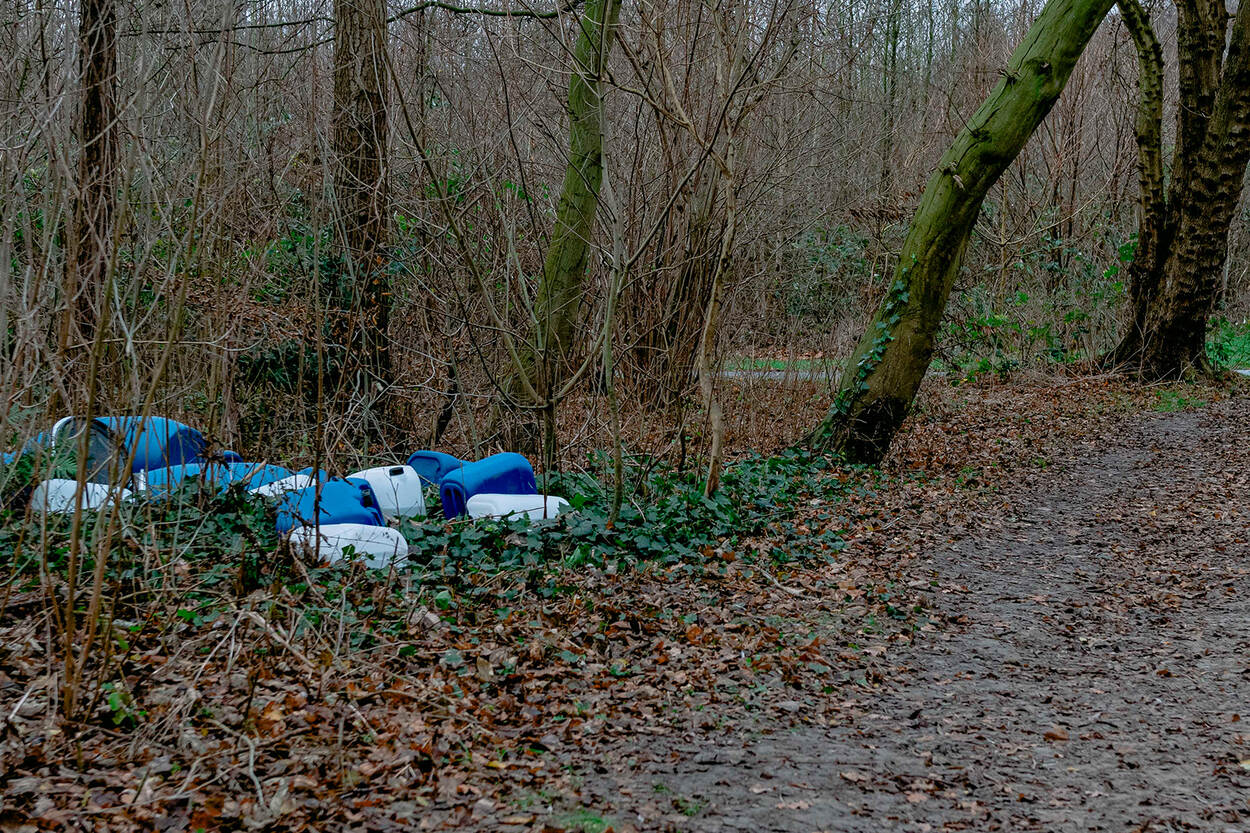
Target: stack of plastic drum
334, 519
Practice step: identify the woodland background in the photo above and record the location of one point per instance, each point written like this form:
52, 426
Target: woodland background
221, 271
326, 233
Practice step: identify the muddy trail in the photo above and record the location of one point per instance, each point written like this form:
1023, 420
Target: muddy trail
1097, 677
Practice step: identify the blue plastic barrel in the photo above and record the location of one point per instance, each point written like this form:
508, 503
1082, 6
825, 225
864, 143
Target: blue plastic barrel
157, 442
64, 438
433, 466
507, 473
217, 475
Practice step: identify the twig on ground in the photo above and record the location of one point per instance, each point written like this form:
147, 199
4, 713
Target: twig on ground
798, 594
277, 637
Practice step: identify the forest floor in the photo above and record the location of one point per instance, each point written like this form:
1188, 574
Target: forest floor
1095, 674
1040, 621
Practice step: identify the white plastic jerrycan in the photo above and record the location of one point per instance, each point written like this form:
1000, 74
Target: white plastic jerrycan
534, 507
398, 489
286, 484
377, 546
57, 495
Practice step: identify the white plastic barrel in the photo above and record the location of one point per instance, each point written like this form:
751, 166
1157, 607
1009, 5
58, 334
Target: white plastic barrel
57, 495
377, 546
535, 507
398, 490
286, 484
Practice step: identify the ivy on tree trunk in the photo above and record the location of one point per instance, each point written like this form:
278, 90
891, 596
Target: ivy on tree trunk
880, 382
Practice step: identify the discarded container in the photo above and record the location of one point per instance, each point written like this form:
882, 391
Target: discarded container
57, 496
433, 466
398, 490
53, 455
214, 475
535, 507
103, 445
378, 546
286, 484
58, 449
334, 501
255, 474
157, 442
506, 473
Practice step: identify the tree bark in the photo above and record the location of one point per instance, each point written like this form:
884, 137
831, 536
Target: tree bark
1143, 278
359, 140
96, 197
884, 373
563, 282
1200, 26
1201, 204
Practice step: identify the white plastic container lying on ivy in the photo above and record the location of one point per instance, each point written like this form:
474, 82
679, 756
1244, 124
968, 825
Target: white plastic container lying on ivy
534, 507
398, 490
57, 496
286, 484
377, 546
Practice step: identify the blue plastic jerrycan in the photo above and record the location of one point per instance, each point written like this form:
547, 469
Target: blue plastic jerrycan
336, 501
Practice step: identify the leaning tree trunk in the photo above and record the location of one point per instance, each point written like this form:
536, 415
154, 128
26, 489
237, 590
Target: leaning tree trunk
884, 373
362, 299
95, 199
563, 283
1177, 292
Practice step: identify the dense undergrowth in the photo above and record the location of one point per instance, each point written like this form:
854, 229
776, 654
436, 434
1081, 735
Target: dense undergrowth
198, 550
1228, 343
995, 344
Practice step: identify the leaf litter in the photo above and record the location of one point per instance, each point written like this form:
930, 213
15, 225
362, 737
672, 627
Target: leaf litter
560, 712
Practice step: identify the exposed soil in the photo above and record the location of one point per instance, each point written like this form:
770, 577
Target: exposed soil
1097, 678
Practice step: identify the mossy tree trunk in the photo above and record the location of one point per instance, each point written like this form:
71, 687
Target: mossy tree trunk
884, 373
563, 283
1183, 238
362, 297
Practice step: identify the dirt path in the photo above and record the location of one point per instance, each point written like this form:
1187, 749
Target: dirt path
1099, 679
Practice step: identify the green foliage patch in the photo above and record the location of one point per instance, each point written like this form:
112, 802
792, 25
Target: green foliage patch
207, 549
826, 268
668, 520
1175, 401
222, 537
1228, 343
1055, 305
